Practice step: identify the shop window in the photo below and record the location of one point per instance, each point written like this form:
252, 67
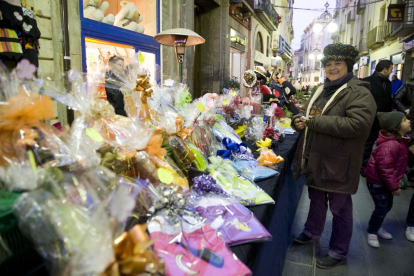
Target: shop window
136, 15
98, 53
316, 80
259, 43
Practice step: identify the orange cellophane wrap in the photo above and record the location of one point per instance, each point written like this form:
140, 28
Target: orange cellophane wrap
133, 255
268, 158
17, 117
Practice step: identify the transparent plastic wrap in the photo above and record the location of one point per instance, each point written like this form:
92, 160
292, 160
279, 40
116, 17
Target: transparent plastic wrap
69, 221
222, 130
187, 156
228, 178
27, 144
182, 96
234, 222
255, 129
98, 123
251, 170
187, 246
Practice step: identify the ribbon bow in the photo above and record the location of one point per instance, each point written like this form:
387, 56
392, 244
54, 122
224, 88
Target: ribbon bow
182, 132
268, 158
207, 184
270, 133
132, 255
145, 89
155, 148
172, 205
232, 148
267, 143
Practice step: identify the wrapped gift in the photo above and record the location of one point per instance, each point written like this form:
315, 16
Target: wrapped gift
234, 222
187, 246
229, 179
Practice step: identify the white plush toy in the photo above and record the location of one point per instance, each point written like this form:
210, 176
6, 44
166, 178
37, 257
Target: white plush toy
96, 9
128, 17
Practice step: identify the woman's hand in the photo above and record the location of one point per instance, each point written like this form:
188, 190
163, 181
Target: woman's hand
300, 123
411, 148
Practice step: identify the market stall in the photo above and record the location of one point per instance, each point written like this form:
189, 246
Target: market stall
158, 183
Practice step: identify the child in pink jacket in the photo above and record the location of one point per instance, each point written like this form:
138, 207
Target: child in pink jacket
385, 168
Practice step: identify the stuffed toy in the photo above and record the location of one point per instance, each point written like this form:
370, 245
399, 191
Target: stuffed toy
128, 17
96, 9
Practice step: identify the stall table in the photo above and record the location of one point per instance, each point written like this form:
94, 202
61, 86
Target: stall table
268, 257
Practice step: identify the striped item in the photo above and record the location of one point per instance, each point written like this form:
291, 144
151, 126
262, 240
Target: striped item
9, 42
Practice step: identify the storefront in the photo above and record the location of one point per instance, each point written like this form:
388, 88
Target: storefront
397, 61
237, 54
131, 28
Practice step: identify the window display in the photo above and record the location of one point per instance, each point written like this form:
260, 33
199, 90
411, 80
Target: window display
136, 15
98, 53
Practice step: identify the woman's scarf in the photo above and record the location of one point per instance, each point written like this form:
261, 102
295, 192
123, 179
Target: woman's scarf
338, 82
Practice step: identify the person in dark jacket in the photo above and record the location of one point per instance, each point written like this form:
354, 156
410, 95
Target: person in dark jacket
285, 87
114, 80
385, 168
338, 119
405, 96
381, 91
396, 83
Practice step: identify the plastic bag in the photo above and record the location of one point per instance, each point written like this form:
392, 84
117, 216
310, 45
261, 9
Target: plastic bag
228, 178
69, 222
222, 130
187, 246
234, 222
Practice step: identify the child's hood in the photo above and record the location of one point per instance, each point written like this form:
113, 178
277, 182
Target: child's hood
387, 136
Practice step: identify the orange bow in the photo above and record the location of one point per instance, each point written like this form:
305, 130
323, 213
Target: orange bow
145, 91
268, 158
133, 256
182, 132
154, 146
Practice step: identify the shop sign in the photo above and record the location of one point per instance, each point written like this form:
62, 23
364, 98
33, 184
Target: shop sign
396, 13
276, 62
237, 40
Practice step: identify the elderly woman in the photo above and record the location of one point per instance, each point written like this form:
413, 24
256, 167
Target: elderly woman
334, 126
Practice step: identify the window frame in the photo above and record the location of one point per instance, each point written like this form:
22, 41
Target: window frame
102, 31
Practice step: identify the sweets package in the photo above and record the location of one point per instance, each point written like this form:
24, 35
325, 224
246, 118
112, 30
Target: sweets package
228, 178
187, 246
234, 222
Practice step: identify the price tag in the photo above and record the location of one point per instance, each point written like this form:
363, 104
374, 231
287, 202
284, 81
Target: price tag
165, 176
94, 135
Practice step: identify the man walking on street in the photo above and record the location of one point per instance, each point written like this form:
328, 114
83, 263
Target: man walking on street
381, 91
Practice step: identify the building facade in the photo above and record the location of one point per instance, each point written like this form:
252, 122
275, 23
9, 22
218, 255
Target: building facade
239, 34
364, 24
309, 68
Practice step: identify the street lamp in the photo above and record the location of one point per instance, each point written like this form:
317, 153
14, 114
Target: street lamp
319, 57
311, 56
325, 17
179, 39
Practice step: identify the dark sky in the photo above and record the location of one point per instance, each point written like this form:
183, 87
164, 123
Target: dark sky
302, 18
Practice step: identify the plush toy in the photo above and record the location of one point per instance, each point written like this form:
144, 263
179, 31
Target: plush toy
128, 17
96, 9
